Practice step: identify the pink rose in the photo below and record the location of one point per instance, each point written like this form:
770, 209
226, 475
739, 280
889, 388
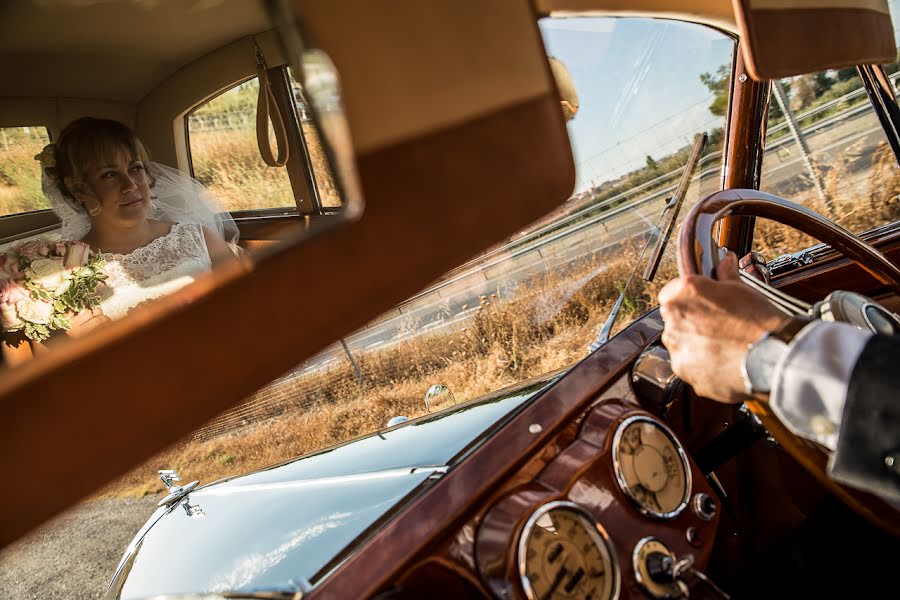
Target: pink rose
78, 255
29, 249
60, 248
10, 294
9, 266
36, 311
43, 248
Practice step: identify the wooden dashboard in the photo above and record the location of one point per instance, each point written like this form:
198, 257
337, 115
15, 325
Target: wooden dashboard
463, 537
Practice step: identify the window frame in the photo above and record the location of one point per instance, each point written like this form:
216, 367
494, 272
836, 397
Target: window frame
36, 222
300, 171
889, 119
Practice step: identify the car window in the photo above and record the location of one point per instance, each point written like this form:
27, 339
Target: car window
826, 149
225, 155
20, 173
329, 196
532, 305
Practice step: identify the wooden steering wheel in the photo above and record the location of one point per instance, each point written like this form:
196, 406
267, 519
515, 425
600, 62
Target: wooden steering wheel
698, 254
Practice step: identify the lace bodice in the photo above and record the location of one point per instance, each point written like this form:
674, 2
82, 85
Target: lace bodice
155, 270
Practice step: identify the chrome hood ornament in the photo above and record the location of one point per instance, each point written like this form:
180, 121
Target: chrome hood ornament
176, 492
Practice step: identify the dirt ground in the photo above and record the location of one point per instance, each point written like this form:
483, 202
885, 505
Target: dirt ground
73, 556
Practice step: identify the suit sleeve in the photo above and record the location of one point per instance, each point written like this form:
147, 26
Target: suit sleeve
811, 380
868, 447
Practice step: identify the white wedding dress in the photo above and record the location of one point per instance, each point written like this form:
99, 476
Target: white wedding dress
164, 265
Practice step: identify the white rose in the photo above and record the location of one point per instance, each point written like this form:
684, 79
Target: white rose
49, 273
36, 311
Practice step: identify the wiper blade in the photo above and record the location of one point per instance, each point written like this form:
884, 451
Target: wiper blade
675, 203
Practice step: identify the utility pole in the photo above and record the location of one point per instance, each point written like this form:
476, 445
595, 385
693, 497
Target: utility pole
359, 375
793, 127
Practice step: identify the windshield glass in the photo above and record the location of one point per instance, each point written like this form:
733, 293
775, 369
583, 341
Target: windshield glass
533, 304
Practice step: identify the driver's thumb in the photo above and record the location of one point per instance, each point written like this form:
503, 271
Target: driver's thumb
728, 268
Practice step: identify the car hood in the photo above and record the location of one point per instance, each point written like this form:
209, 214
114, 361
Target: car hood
289, 524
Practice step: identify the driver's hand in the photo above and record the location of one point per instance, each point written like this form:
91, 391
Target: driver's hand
709, 326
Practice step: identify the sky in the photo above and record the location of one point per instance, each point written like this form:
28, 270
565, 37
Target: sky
639, 88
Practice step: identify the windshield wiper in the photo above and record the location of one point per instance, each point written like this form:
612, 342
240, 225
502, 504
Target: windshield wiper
675, 203
672, 208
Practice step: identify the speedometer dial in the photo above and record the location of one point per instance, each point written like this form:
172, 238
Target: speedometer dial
651, 467
563, 553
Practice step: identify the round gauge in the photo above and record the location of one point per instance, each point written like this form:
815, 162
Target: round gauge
651, 467
564, 553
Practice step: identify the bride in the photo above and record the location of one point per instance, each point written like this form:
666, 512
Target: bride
155, 227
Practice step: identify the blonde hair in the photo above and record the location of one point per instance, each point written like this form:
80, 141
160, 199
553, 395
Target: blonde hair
87, 142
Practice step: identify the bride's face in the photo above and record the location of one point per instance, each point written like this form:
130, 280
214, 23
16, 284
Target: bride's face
122, 189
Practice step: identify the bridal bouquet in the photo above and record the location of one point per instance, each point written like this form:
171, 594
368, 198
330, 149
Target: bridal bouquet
45, 283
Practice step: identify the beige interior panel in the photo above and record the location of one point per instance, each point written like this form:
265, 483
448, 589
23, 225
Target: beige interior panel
112, 50
56, 113
16, 111
426, 71
160, 114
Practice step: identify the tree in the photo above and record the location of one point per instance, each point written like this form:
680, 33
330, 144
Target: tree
652, 164
719, 84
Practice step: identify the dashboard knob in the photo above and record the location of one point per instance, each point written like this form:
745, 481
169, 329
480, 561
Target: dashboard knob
704, 506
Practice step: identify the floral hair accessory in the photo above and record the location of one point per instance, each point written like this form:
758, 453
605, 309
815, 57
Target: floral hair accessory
47, 156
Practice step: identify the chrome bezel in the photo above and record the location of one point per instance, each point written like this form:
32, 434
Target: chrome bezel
865, 316
620, 475
595, 530
635, 563
697, 505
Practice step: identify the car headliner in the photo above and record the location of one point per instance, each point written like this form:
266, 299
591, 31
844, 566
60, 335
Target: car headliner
100, 49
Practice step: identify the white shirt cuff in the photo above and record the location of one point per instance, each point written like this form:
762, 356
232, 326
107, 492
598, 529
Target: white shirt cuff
812, 378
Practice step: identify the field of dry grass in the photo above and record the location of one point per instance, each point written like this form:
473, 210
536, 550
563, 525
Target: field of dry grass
861, 192
504, 343
20, 178
545, 327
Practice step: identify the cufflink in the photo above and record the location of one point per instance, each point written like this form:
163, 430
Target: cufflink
892, 462
758, 364
821, 425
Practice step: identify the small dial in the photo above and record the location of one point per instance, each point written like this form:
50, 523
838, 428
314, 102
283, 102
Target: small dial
563, 553
651, 467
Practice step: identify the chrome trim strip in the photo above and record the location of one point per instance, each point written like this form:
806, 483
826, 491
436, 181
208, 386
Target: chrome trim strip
228, 490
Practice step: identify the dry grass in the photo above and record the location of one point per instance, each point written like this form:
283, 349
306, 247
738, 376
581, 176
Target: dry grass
20, 177
545, 327
229, 164
861, 192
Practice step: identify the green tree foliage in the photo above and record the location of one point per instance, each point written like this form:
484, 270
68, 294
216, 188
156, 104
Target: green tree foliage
719, 84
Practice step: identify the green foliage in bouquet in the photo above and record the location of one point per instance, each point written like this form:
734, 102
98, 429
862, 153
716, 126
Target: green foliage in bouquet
40, 294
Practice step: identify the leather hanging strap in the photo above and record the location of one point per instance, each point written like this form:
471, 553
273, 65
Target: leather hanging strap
267, 110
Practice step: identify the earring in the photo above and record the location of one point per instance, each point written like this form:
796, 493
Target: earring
93, 206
